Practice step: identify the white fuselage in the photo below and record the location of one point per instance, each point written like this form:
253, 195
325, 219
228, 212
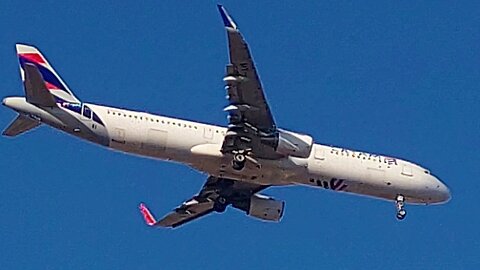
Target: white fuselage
198, 145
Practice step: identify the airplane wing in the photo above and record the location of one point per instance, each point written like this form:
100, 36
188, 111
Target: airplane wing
215, 195
251, 123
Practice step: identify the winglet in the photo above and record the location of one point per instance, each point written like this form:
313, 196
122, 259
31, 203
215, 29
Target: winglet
147, 216
227, 20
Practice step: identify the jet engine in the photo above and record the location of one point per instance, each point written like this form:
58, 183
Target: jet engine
294, 144
265, 208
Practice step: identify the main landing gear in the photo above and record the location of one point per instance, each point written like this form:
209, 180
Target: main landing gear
220, 204
399, 204
241, 157
238, 162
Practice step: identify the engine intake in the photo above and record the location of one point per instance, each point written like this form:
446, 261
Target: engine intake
265, 208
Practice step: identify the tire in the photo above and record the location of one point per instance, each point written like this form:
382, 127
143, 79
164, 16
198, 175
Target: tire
401, 214
238, 162
219, 208
220, 205
237, 166
239, 158
221, 200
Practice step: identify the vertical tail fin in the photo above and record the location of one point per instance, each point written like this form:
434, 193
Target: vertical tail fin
29, 55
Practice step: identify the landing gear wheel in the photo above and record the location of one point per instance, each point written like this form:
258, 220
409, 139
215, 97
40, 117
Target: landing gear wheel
238, 162
237, 166
221, 200
401, 214
220, 204
399, 204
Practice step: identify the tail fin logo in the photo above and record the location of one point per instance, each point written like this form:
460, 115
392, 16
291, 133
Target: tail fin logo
33, 58
52, 82
29, 55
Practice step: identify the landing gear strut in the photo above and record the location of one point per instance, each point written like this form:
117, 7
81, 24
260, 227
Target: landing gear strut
238, 161
399, 204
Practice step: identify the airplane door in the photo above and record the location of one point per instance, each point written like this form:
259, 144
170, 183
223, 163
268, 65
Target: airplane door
407, 170
118, 136
315, 165
208, 133
319, 153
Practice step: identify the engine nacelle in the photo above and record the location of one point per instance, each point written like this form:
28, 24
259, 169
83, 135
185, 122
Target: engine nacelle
265, 208
294, 144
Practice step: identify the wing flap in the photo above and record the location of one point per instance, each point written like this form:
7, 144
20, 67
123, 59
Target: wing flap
188, 211
20, 125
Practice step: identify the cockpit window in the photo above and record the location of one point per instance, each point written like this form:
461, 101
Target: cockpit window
426, 171
87, 112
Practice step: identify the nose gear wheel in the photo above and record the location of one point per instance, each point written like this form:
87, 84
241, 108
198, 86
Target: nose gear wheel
399, 204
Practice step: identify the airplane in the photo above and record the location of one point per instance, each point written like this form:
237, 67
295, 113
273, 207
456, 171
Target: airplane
241, 160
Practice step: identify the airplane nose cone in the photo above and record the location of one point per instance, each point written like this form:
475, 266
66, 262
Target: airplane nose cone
4, 102
444, 192
441, 193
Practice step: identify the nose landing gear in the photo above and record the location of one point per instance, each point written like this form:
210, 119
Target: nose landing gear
399, 204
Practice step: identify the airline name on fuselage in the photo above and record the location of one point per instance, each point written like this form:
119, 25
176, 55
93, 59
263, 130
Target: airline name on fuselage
363, 155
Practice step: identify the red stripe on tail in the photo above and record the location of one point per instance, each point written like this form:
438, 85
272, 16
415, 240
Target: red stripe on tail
34, 57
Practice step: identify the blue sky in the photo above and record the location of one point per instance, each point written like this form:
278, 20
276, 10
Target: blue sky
400, 78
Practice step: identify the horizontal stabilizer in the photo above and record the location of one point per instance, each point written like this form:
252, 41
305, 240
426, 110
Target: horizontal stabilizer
35, 89
20, 125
